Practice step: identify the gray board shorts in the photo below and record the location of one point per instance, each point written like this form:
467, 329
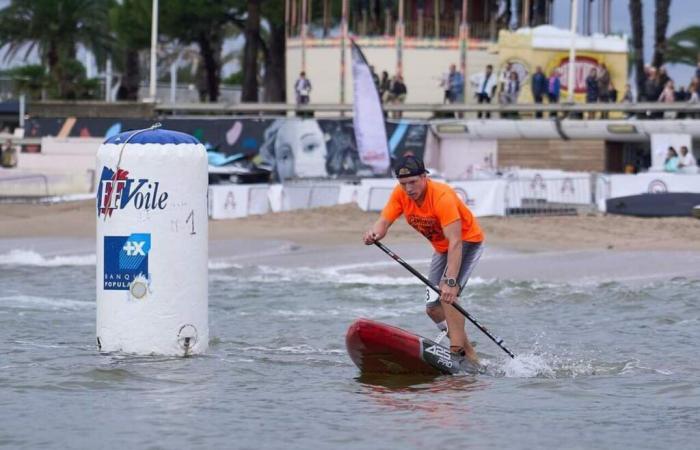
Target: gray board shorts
471, 252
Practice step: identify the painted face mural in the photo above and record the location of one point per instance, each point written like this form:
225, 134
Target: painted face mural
298, 149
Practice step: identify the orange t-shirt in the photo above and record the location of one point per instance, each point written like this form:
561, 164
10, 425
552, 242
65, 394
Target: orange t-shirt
441, 206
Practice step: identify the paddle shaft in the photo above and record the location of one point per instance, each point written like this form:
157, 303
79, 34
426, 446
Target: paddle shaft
427, 282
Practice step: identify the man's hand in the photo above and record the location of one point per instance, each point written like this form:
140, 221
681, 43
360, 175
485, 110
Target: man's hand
448, 294
370, 237
377, 232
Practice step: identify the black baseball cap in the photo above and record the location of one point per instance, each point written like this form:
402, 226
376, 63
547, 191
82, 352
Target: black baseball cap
409, 166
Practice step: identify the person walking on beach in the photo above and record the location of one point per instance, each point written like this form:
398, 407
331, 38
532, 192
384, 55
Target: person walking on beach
435, 211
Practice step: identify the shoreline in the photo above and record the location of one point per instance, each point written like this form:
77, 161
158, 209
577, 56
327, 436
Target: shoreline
344, 224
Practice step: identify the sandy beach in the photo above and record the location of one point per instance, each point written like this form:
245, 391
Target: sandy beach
344, 224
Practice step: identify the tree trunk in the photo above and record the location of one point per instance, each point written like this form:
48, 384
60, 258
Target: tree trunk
250, 53
210, 45
131, 80
275, 70
638, 44
661, 19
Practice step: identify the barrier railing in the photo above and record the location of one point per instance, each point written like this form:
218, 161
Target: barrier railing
549, 196
42, 178
562, 110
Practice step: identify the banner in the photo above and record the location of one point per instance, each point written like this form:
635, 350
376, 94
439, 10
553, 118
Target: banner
292, 147
368, 117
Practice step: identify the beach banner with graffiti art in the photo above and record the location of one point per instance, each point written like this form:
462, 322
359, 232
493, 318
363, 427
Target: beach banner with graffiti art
291, 147
368, 116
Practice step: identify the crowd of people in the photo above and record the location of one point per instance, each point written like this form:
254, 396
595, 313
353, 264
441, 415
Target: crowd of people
507, 86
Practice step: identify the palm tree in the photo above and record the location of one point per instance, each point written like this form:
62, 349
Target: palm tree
684, 46
250, 53
131, 22
638, 44
53, 29
661, 19
204, 23
274, 49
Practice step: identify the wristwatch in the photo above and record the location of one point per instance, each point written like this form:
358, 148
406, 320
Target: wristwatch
451, 282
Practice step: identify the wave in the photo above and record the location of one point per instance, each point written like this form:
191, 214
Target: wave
32, 258
19, 257
44, 303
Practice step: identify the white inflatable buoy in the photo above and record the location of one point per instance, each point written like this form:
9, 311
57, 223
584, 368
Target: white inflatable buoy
152, 236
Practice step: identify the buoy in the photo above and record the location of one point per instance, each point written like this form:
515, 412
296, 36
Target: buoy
152, 237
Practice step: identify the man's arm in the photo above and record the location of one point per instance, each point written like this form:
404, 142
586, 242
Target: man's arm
377, 231
453, 233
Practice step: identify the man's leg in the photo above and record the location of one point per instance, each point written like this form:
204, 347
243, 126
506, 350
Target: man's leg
480, 100
446, 314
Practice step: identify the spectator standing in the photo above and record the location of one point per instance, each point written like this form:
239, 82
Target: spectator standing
554, 89
652, 86
511, 91
554, 86
687, 162
604, 88
592, 89
445, 85
484, 87
398, 92
456, 85
302, 88
668, 95
628, 97
540, 87
384, 86
612, 92
504, 76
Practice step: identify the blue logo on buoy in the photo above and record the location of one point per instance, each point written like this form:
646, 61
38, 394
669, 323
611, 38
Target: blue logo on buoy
125, 258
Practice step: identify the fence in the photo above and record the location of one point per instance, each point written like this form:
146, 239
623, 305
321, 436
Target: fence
549, 196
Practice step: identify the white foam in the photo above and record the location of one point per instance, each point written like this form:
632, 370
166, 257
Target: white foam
528, 366
33, 302
223, 265
32, 258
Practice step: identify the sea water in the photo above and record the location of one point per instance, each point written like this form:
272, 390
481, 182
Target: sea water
600, 365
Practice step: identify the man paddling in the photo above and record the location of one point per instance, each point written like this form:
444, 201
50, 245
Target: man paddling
436, 212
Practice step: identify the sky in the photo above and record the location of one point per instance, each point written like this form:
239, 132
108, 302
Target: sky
683, 13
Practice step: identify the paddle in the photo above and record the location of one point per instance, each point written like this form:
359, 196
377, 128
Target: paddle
427, 282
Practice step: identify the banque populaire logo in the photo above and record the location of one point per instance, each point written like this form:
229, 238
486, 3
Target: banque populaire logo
121, 191
125, 259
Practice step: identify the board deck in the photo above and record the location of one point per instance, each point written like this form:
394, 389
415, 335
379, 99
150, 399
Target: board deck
376, 347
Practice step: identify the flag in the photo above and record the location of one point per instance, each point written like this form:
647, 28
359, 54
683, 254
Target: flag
368, 117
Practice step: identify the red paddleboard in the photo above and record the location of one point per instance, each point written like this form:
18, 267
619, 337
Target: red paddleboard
376, 347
